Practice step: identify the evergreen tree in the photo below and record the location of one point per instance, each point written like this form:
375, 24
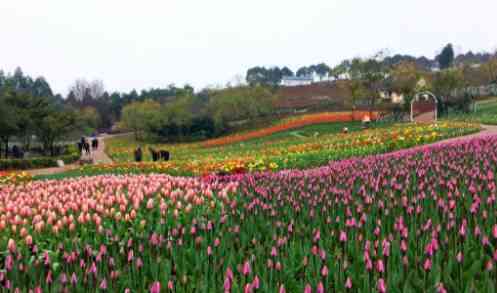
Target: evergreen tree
446, 57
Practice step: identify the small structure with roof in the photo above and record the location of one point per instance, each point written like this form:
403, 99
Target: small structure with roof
424, 107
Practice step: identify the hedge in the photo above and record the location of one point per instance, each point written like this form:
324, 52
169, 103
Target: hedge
40, 162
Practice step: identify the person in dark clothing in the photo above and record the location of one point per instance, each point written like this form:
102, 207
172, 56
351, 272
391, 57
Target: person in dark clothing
154, 153
87, 148
138, 154
164, 155
80, 148
94, 144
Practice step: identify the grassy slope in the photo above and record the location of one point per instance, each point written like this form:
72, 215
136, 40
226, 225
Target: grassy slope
486, 113
309, 146
184, 151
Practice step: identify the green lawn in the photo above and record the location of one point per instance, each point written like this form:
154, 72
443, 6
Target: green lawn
307, 147
486, 113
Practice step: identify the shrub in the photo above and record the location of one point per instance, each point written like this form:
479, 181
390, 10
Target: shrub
71, 156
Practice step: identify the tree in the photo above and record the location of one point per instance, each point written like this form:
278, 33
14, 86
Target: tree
137, 116
372, 74
446, 57
55, 126
490, 70
256, 75
89, 119
96, 88
175, 119
28, 109
262, 76
81, 88
286, 72
357, 92
41, 88
304, 71
322, 70
8, 121
404, 78
338, 71
240, 103
445, 82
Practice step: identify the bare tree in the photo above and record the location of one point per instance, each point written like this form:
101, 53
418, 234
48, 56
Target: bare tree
96, 88
82, 87
79, 88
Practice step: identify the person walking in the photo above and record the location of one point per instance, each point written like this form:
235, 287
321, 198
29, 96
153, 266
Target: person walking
138, 154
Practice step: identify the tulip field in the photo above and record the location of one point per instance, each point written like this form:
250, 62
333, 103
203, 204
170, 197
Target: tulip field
289, 150
419, 220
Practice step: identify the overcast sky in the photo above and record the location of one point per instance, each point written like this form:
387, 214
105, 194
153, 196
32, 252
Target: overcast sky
143, 44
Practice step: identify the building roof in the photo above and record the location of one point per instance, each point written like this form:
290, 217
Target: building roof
298, 78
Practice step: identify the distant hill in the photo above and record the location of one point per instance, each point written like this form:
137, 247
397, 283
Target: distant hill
325, 95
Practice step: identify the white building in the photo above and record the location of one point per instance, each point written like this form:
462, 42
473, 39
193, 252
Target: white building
296, 80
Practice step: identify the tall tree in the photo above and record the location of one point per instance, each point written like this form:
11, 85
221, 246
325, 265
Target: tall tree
8, 121
137, 116
446, 57
79, 88
304, 71
490, 70
322, 70
54, 127
372, 73
403, 78
41, 88
445, 82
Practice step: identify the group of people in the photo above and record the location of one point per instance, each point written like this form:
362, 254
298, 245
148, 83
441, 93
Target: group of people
17, 152
157, 155
84, 145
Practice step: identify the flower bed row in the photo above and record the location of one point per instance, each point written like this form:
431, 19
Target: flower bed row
294, 123
419, 220
14, 177
291, 153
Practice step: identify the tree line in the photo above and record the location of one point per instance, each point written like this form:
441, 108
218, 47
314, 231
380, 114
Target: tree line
190, 117
29, 108
272, 76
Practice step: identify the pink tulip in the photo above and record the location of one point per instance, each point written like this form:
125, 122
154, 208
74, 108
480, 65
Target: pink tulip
348, 283
324, 271
427, 264
11, 245
256, 283
440, 288
103, 284
74, 279
381, 286
459, 257
246, 268
320, 288
155, 288
274, 252
307, 289
380, 267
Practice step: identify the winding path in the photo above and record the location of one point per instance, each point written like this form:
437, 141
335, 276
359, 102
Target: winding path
100, 157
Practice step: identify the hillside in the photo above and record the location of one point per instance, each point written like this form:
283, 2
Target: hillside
326, 94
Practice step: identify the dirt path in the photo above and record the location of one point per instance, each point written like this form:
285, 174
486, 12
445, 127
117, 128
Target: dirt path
100, 157
486, 130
